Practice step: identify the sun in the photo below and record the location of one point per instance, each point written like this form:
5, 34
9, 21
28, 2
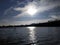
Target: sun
31, 10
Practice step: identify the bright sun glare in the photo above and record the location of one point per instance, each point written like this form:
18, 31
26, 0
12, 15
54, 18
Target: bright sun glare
31, 10
31, 28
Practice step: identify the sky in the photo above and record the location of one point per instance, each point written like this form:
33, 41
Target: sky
14, 12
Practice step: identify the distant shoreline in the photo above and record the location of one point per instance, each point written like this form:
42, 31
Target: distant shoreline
47, 24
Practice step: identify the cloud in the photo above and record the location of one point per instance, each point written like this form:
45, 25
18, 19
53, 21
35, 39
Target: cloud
42, 5
55, 17
28, 22
5, 12
17, 3
8, 22
4, 22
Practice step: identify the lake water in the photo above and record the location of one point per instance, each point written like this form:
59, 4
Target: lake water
30, 36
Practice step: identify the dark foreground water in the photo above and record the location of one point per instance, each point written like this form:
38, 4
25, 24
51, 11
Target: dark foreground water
30, 36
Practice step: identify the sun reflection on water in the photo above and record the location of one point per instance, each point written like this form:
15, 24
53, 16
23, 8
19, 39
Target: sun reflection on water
31, 28
32, 34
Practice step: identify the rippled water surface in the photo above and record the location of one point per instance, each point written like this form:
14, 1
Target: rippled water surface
30, 36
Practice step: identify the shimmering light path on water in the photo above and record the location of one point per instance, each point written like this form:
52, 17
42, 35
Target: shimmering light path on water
32, 34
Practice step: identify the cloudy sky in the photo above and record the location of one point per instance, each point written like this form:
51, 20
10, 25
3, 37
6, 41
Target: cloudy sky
15, 12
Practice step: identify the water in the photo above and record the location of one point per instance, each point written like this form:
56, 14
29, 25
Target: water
30, 36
